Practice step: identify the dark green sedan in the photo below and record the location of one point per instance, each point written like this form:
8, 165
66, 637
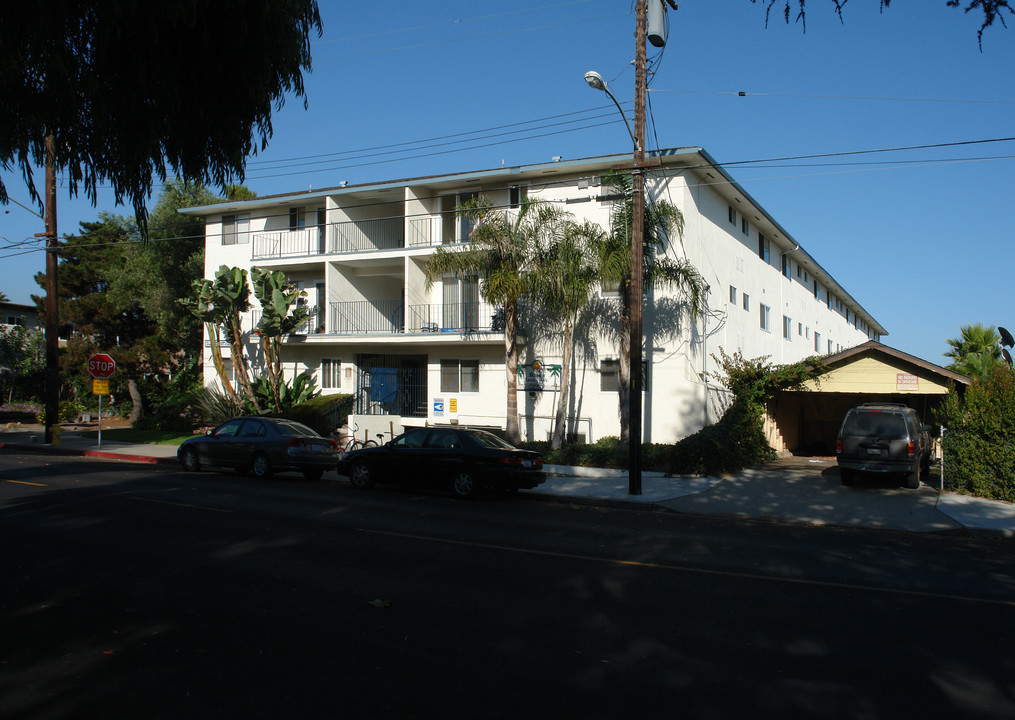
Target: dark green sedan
261, 446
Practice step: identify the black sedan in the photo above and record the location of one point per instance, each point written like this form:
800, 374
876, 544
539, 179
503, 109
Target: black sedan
261, 446
468, 461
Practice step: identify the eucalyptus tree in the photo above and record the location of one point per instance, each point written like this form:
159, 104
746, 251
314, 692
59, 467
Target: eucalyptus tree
281, 314
126, 91
500, 255
612, 256
993, 10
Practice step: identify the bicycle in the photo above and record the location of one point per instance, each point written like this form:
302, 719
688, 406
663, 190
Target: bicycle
349, 441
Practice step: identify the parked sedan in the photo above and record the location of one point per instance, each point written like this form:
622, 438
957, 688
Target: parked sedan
467, 461
261, 446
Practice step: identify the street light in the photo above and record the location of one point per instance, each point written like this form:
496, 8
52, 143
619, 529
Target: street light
595, 81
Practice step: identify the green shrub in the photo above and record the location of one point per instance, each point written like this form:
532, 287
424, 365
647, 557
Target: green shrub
324, 413
69, 411
979, 439
735, 442
170, 404
212, 406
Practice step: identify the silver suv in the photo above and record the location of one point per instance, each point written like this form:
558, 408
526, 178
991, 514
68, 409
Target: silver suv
883, 438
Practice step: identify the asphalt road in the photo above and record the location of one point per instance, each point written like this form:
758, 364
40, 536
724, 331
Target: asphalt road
142, 592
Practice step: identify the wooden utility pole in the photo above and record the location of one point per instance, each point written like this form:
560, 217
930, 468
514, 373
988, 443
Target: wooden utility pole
52, 317
637, 256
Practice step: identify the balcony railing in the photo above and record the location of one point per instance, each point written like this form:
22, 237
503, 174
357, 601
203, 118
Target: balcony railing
386, 317
455, 317
363, 318
286, 243
313, 322
344, 237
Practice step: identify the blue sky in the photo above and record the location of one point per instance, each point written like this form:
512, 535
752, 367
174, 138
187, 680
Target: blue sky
919, 235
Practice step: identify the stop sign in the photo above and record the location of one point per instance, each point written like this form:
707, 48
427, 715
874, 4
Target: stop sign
101, 366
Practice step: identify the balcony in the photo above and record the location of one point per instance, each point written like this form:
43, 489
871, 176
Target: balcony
464, 317
386, 317
334, 239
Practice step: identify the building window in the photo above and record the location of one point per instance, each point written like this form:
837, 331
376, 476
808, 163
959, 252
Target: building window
829, 347
297, 218
747, 301
235, 229
817, 341
459, 376
787, 327
764, 248
799, 328
828, 299
733, 215
331, 373
786, 265
744, 227
765, 313
817, 291
609, 375
515, 196
733, 295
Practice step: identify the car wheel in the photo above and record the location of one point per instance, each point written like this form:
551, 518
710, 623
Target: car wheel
313, 474
188, 458
847, 476
260, 466
360, 476
464, 484
913, 478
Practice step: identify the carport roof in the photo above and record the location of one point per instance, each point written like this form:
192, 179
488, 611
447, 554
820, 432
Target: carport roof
874, 347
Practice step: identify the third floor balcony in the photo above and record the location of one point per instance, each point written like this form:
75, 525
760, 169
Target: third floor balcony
356, 236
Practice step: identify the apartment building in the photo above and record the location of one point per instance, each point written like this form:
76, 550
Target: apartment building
412, 354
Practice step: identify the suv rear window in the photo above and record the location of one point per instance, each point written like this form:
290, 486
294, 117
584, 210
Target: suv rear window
882, 424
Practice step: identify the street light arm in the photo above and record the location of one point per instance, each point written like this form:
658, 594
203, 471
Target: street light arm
595, 80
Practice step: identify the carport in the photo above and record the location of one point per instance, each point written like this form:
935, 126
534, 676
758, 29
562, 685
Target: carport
806, 422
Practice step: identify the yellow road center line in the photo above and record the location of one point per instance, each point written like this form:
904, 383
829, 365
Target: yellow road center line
176, 504
699, 571
25, 482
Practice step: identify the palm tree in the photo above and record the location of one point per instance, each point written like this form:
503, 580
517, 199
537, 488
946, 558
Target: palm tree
975, 352
564, 283
500, 255
663, 220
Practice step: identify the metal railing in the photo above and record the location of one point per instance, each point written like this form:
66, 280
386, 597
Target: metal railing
366, 235
285, 243
336, 238
455, 317
312, 324
365, 317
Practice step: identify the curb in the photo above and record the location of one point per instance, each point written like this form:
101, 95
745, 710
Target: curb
57, 450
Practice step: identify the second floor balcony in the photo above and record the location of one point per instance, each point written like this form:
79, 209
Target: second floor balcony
389, 317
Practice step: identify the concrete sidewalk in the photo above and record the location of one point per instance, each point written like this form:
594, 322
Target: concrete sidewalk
796, 490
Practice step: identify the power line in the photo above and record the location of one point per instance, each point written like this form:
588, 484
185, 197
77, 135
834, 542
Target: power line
836, 97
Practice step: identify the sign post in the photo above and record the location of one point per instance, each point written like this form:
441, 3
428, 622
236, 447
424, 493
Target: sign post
100, 367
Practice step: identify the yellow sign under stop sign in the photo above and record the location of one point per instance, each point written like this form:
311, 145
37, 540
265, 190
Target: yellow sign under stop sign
100, 387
